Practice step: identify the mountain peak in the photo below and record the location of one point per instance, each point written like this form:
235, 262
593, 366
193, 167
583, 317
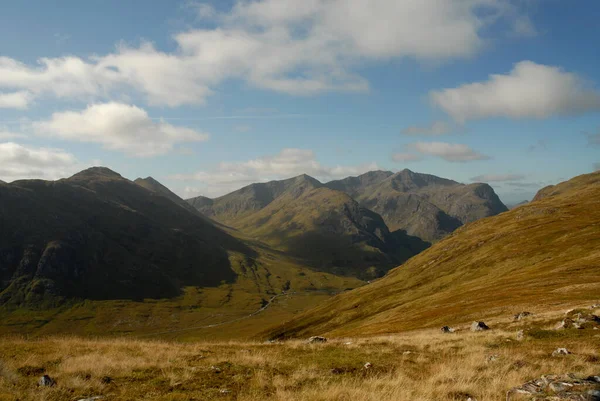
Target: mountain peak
97, 171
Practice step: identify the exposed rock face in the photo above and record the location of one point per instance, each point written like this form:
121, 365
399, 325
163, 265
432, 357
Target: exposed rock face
558, 387
479, 326
423, 205
97, 235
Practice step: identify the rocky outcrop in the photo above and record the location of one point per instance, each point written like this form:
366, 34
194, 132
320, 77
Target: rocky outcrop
558, 387
316, 340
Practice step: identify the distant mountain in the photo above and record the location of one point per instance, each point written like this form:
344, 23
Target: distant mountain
250, 199
423, 205
98, 235
323, 226
2, 182
543, 253
152, 185
512, 206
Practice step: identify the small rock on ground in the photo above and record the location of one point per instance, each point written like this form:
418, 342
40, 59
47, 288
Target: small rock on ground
479, 326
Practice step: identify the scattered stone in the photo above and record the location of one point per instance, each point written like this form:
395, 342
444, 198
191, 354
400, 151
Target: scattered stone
348, 343
46, 381
579, 319
561, 351
316, 339
98, 397
521, 315
479, 326
595, 306
520, 335
447, 329
562, 387
224, 391
216, 369
492, 358
368, 365
106, 380
407, 353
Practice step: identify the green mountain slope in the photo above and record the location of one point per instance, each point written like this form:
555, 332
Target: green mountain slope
423, 205
330, 229
325, 227
544, 253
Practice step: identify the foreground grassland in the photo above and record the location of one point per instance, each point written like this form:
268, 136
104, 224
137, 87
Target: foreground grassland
419, 365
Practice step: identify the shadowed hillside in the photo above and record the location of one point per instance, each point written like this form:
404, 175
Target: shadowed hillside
423, 205
97, 235
545, 253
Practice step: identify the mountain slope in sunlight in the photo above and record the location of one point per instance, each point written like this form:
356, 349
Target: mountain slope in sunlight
544, 253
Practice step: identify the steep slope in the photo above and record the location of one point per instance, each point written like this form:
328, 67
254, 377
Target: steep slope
330, 229
152, 185
97, 235
252, 198
423, 205
544, 253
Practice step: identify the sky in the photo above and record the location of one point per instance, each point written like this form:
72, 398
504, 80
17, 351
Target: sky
208, 97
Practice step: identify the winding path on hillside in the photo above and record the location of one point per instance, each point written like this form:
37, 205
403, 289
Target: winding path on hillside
208, 326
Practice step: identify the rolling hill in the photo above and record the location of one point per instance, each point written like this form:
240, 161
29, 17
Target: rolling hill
423, 205
542, 254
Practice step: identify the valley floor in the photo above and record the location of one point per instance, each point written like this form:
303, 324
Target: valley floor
420, 365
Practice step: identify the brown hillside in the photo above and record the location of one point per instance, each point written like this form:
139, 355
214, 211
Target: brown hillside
544, 253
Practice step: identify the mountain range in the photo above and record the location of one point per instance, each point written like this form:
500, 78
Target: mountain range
542, 254
410, 204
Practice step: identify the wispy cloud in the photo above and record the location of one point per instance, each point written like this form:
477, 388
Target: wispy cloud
451, 152
434, 129
498, 177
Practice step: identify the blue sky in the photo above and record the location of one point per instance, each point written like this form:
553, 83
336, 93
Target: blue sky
210, 96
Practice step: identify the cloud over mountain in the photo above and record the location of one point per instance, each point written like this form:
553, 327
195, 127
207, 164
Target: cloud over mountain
119, 127
290, 162
20, 162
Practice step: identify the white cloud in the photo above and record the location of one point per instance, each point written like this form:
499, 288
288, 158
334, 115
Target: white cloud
21, 162
15, 100
405, 157
498, 177
229, 176
436, 128
530, 90
299, 47
118, 127
448, 151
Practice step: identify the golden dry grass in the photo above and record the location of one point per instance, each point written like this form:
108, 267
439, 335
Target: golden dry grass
542, 255
420, 365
